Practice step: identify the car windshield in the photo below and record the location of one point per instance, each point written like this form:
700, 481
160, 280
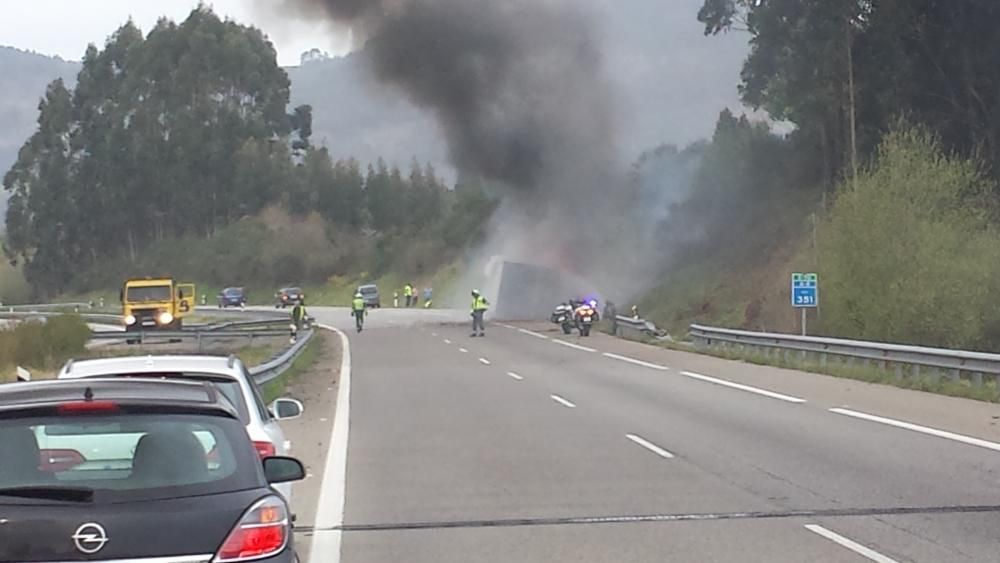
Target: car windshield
233, 292
125, 457
141, 294
368, 290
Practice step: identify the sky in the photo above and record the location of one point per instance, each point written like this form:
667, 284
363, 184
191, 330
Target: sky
65, 27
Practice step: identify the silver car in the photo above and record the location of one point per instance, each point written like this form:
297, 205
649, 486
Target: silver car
228, 374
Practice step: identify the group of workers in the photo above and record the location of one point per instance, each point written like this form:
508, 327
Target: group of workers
359, 310
411, 296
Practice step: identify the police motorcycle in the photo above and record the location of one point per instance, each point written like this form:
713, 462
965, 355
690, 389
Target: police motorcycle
563, 316
585, 315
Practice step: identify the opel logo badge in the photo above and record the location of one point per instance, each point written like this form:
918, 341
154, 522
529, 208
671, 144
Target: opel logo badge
90, 538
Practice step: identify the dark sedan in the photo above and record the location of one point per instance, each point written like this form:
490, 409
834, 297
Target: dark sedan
232, 297
135, 470
287, 297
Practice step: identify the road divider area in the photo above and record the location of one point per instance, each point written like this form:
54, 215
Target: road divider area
741, 387
650, 446
852, 545
921, 429
564, 402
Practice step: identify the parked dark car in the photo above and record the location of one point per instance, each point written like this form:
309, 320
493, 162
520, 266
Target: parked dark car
371, 296
136, 469
287, 297
232, 297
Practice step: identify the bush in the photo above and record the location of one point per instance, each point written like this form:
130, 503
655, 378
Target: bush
907, 254
40, 345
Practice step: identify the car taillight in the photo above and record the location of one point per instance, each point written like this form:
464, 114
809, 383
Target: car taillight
262, 532
264, 449
87, 407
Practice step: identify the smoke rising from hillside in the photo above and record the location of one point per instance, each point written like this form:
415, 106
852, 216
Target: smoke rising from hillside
519, 90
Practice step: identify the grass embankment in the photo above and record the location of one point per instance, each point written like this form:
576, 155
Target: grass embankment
276, 387
42, 346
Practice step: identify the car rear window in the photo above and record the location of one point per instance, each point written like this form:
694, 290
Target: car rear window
233, 292
227, 385
127, 457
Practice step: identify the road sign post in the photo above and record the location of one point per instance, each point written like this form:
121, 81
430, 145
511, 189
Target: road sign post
805, 294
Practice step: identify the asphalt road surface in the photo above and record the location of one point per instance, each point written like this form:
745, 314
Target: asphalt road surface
528, 445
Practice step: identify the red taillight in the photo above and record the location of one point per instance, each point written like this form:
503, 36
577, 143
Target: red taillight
87, 407
264, 449
262, 532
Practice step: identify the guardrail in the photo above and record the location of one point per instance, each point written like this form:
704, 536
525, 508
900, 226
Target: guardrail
904, 360
43, 306
274, 368
635, 327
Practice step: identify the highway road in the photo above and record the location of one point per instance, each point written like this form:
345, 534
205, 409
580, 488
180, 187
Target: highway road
528, 445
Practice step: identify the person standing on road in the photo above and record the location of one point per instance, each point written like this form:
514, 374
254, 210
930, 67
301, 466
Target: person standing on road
298, 318
408, 294
358, 310
428, 295
479, 307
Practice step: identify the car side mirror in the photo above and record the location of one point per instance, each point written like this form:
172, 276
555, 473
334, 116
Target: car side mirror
283, 470
285, 409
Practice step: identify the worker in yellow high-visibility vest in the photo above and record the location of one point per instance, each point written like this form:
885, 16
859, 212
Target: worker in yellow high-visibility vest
479, 307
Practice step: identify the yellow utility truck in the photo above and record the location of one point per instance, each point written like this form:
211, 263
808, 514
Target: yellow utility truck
156, 303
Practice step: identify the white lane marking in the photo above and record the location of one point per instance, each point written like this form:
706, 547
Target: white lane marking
562, 401
463, 350
742, 387
650, 446
532, 333
922, 429
514, 375
434, 334
635, 361
446, 341
854, 546
484, 361
571, 345
325, 547
512, 327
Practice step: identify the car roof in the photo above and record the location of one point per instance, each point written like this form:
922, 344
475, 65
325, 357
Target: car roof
188, 395
368, 286
222, 366
290, 288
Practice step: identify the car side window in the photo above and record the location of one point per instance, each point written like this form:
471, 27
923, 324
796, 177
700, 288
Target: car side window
265, 415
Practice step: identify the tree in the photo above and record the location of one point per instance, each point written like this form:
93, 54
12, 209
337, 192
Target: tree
174, 134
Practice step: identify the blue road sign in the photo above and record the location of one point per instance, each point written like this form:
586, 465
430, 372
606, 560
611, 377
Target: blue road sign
805, 290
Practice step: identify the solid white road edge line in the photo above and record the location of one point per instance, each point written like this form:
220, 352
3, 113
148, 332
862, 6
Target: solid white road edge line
484, 361
650, 446
571, 345
512, 327
532, 333
742, 387
562, 401
922, 429
635, 361
850, 544
325, 546
514, 375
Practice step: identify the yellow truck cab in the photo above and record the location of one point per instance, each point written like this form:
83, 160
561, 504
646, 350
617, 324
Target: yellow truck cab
156, 303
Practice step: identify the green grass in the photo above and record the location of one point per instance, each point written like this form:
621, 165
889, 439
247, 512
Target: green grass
930, 381
276, 387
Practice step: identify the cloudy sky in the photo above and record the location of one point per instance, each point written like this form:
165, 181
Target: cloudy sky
65, 27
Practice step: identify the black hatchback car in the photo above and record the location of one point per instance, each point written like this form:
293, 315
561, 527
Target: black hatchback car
135, 470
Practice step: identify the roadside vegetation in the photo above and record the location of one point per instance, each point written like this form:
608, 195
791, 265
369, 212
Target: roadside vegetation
883, 178
107, 189
42, 345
